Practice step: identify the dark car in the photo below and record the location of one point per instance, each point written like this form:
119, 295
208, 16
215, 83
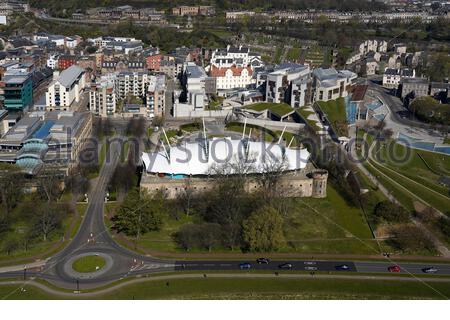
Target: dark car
285, 266
430, 270
342, 267
262, 261
245, 266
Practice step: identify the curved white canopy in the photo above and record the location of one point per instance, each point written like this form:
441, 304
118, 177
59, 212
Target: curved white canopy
200, 158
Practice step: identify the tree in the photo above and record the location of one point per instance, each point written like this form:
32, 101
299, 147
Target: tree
263, 230
139, 213
47, 218
210, 235
10, 245
91, 49
49, 182
409, 238
11, 179
186, 196
136, 127
77, 183
187, 236
228, 205
390, 212
269, 180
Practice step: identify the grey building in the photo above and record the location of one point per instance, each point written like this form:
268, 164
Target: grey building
415, 86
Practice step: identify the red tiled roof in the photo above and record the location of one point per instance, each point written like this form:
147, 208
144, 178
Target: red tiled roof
220, 72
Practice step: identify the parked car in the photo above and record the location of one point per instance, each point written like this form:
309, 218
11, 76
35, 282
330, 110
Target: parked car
430, 270
285, 266
245, 266
394, 268
342, 267
262, 261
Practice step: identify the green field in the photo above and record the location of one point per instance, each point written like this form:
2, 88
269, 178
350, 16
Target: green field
293, 54
336, 114
89, 264
416, 170
256, 288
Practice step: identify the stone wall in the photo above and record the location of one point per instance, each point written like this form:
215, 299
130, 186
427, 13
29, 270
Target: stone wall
292, 184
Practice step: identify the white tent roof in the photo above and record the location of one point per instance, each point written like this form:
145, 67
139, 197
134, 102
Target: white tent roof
194, 158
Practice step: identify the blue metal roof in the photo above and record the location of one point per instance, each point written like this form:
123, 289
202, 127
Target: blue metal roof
44, 130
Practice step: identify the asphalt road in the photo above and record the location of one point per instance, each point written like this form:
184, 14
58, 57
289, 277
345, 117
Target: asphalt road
399, 113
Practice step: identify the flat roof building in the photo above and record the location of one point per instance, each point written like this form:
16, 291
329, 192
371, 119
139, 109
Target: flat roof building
17, 89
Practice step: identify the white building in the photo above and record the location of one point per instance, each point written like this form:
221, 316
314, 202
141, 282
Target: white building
232, 77
52, 61
330, 84
235, 56
66, 89
392, 77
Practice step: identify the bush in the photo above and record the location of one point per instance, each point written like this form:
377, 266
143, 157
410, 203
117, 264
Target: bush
409, 238
390, 212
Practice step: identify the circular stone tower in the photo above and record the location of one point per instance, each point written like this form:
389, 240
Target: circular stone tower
319, 188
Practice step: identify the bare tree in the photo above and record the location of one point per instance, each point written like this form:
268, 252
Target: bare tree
49, 181
186, 196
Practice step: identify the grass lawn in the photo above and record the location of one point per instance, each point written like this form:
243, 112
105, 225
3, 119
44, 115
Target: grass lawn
273, 288
192, 127
280, 109
327, 226
334, 229
269, 135
447, 140
278, 54
124, 154
150, 131
172, 133
287, 137
293, 54
305, 114
89, 264
422, 167
439, 202
336, 114
103, 150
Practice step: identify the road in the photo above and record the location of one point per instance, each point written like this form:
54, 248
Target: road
399, 113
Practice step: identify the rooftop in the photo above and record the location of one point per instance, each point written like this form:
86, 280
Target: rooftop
70, 75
